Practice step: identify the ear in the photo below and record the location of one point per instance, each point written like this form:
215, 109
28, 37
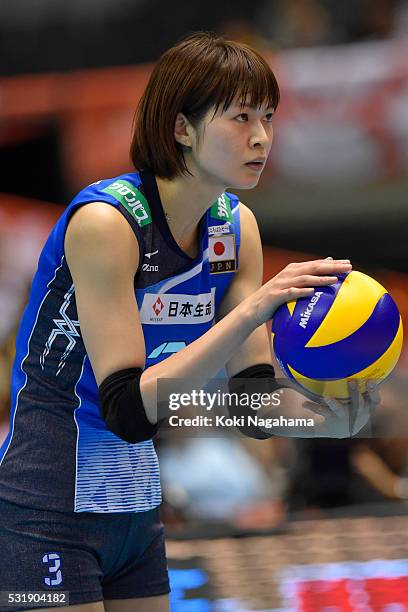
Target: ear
182, 130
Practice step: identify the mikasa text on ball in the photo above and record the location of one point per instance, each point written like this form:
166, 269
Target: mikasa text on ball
350, 330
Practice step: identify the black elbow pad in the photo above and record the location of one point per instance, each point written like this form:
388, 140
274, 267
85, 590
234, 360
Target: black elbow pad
121, 406
237, 385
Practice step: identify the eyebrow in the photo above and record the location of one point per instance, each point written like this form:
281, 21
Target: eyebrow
253, 107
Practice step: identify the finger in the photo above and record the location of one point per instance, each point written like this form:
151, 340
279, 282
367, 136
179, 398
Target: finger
372, 396
322, 418
338, 266
328, 408
335, 407
326, 260
372, 390
322, 260
319, 409
357, 405
362, 407
313, 281
335, 425
327, 265
343, 265
354, 393
294, 293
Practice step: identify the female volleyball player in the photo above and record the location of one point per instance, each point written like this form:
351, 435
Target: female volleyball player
153, 274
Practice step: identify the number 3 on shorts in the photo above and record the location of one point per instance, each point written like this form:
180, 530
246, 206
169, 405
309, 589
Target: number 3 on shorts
54, 565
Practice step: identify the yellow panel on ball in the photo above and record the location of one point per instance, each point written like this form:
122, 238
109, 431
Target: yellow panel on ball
349, 330
349, 312
378, 371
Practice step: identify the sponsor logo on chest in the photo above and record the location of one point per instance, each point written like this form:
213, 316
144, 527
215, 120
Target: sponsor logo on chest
174, 308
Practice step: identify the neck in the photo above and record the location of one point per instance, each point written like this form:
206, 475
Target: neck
185, 199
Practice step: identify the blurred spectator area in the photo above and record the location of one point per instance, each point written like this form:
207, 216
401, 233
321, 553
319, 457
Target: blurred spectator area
53, 35
59, 132
303, 23
24, 226
338, 171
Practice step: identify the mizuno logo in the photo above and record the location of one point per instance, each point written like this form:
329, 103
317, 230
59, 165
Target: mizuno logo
149, 268
149, 255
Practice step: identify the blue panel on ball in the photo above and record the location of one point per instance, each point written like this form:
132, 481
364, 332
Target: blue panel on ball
321, 302
281, 318
348, 356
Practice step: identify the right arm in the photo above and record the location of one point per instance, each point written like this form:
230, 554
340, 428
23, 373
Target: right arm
103, 256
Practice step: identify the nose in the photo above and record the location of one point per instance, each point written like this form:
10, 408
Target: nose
261, 136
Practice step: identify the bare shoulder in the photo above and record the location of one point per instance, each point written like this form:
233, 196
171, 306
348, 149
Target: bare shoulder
98, 219
99, 230
249, 224
245, 211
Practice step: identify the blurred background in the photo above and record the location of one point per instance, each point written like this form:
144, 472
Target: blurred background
282, 525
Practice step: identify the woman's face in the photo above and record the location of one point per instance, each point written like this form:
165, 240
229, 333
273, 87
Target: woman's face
229, 142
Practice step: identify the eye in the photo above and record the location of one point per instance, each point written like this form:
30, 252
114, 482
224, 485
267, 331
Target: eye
245, 115
269, 117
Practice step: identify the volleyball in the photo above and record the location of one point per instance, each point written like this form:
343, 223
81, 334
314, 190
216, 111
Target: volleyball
349, 330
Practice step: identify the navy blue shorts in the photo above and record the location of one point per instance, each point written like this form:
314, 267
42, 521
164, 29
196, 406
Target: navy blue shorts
92, 556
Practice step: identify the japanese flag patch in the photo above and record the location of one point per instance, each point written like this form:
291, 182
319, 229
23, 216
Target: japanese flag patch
222, 253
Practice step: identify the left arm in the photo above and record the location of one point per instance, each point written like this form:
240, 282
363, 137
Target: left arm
332, 418
257, 347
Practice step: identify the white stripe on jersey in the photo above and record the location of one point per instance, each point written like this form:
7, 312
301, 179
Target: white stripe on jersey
181, 278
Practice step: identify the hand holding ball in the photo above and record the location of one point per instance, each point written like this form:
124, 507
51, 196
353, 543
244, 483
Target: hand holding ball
350, 330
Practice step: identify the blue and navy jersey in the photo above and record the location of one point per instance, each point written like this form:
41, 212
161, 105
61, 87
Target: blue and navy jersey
59, 454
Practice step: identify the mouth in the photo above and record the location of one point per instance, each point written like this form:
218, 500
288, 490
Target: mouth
257, 166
